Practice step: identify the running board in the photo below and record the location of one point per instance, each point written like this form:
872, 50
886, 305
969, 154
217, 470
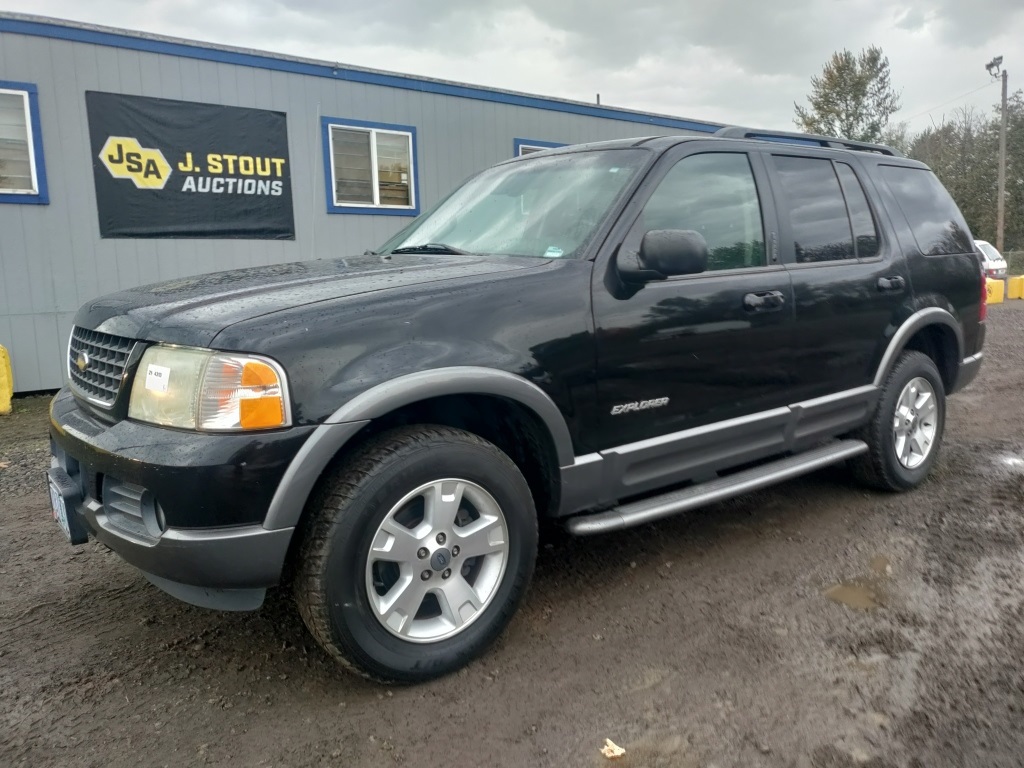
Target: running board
691, 497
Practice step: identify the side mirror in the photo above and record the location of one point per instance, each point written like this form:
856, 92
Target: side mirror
665, 253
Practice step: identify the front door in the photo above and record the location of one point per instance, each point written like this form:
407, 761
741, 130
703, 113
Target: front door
700, 349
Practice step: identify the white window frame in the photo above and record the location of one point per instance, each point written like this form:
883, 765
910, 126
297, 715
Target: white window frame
374, 170
530, 149
31, 145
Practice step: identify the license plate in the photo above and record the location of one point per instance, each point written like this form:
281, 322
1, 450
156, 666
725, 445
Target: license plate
60, 511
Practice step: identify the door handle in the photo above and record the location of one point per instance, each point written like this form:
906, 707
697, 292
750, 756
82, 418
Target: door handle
893, 284
764, 301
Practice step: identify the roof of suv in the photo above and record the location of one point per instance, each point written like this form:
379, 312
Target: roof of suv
733, 134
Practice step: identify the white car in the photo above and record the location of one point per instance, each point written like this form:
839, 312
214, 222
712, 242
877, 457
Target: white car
992, 261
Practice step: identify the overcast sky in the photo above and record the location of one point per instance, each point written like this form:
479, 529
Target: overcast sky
733, 61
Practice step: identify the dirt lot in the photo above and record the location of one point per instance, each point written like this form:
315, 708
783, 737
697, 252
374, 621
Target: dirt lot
705, 641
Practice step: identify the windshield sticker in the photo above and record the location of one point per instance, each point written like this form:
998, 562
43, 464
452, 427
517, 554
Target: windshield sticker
158, 377
553, 252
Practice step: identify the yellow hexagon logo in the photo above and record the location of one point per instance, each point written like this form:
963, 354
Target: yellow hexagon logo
125, 158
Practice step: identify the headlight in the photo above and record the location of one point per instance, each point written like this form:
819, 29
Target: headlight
216, 391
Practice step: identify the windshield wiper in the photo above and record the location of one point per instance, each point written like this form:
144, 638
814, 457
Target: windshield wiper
432, 248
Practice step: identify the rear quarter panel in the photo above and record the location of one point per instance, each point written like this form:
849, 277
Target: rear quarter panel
949, 282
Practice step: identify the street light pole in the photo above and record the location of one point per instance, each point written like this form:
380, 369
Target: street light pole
1000, 222
995, 69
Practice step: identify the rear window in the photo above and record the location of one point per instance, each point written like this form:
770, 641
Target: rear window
989, 252
936, 222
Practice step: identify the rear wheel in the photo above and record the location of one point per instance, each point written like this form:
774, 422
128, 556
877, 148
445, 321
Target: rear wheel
906, 429
418, 554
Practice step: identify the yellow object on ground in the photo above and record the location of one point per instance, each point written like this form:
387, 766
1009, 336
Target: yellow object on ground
6, 382
996, 289
1015, 288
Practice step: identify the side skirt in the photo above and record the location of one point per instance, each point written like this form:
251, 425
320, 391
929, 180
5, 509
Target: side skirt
658, 507
600, 480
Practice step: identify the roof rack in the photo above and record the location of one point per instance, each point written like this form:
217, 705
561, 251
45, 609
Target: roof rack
735, 132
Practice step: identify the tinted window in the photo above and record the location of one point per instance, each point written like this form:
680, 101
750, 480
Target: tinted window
713, 194
817, 211
934, 218
865, 235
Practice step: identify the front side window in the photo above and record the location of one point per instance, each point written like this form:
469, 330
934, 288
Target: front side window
937, 223
713, 194
544, 206
370, 168
818, 219
22, 177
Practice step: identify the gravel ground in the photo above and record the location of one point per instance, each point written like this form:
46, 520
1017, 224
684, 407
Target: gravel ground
814, 625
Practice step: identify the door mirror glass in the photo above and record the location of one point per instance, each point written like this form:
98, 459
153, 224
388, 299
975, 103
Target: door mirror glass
672, 252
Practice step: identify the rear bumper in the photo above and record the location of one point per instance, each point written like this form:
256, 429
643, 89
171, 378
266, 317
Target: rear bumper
969, 368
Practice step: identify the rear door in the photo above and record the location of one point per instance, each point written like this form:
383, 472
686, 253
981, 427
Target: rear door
849, 277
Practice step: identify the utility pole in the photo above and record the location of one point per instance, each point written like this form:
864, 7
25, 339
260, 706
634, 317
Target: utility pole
1000, 221
994, 68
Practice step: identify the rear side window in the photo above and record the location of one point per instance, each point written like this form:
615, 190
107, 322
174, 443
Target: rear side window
936, 222
817, 210
865, 234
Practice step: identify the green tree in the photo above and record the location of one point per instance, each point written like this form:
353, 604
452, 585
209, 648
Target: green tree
853, 97
963, 150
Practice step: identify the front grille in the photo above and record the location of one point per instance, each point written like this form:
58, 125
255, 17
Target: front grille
96, 363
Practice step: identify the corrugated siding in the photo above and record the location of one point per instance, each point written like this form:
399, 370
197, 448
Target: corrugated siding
53, 259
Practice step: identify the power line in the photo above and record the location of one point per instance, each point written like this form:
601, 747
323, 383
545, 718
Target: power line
957, 98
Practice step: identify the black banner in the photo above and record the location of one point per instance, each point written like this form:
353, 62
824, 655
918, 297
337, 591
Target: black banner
168, 168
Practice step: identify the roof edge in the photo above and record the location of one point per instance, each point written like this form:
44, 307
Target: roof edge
81, 32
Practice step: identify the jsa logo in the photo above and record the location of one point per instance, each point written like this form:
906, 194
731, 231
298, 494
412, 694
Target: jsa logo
125, 158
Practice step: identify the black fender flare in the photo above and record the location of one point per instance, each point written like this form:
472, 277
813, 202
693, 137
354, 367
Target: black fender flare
920, 319
306, 467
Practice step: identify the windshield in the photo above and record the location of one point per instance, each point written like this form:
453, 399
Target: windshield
989, 252
545, 206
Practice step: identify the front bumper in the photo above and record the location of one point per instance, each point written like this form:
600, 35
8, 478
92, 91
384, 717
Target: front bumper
185, 508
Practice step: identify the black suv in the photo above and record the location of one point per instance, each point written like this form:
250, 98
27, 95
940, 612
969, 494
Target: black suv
603, 334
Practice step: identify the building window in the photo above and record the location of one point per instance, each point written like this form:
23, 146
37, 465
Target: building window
370, 168
522, 147
22, 170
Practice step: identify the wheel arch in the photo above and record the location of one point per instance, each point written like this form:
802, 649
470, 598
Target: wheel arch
429, 395
933, 331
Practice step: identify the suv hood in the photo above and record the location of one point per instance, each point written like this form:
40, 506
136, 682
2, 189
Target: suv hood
193, 310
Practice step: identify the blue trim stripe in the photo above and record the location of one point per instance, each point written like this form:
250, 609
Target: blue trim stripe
42, 197
362, 210
517, 143
404, 82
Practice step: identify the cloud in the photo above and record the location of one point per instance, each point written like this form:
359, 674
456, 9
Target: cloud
730, 61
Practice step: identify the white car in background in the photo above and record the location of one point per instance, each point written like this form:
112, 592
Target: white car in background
992, 261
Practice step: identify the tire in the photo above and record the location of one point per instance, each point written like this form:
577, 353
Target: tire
881, 467
392, 483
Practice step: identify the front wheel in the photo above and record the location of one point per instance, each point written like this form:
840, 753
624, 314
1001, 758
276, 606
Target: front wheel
419, 551
905, 431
